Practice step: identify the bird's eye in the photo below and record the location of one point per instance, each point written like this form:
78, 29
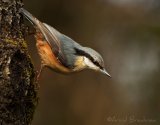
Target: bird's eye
97, 64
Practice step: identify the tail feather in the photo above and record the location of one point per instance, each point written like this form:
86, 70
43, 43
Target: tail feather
29, 16
33, 20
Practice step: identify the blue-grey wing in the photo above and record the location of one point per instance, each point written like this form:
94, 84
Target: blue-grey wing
53, 41
61, 45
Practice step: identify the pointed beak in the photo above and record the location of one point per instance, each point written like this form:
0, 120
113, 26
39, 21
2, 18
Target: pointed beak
105, 72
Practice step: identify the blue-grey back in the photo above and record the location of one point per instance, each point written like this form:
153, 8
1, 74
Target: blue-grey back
67, 44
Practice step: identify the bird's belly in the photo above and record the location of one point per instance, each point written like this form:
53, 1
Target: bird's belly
48, 57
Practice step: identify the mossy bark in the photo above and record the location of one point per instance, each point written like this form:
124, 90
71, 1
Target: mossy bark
18, 90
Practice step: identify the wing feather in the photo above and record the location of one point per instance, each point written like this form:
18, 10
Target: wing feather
54, 42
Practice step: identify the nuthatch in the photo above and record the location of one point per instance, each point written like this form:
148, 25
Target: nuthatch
61, 53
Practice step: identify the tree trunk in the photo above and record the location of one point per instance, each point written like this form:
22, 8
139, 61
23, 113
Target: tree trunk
18, 90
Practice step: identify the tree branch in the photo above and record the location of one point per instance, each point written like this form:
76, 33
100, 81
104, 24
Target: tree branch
18, 91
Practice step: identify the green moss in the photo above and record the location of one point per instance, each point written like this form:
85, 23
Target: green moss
12, 42
23, 44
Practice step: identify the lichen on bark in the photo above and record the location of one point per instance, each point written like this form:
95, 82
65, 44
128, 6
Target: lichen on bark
18, 90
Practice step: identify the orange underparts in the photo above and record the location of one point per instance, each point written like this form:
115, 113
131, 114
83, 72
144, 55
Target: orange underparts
48, 57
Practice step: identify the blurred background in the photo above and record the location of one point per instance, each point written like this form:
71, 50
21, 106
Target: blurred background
127, 34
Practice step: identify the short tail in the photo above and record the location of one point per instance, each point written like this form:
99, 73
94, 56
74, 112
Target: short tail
39, 25
29, 16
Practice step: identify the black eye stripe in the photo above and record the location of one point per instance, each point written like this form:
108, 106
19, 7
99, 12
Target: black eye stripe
82, 53
97, 64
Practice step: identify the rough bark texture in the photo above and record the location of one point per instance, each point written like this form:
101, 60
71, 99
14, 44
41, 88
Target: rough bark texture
18, 96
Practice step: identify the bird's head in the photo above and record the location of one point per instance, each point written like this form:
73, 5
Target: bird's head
92, 60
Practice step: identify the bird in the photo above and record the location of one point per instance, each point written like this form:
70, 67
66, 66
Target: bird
61, 53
